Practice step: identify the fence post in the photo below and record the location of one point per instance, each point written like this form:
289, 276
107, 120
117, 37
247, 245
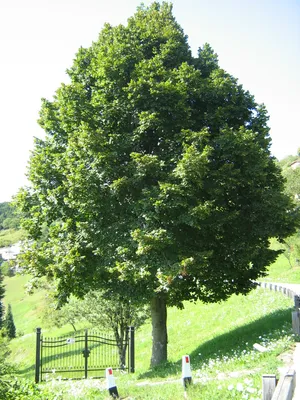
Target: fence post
268, 386
297, 302
296, 322
286, 386
131, 349
38, 355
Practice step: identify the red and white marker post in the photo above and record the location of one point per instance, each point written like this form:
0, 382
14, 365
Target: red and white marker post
186, 371
111, 383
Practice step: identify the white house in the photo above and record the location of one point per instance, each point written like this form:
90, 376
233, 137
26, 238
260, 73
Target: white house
10, 252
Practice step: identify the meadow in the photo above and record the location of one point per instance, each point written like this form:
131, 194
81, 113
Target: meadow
218, 337
10, 236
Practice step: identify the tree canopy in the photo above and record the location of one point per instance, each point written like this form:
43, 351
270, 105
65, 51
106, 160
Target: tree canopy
155, 178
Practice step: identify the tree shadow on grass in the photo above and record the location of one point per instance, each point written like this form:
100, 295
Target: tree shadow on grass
236, 342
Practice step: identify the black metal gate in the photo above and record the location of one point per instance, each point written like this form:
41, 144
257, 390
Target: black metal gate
80, 355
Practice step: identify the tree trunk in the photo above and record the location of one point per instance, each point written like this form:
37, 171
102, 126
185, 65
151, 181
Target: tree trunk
74, 327
159, 329
122, 340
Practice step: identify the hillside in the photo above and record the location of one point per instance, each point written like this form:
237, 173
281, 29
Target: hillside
218, 337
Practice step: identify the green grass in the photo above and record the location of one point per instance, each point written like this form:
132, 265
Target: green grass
281, 271
27, 309
218, 337
10, 236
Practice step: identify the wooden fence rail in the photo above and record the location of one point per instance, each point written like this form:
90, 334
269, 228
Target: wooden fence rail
285, 388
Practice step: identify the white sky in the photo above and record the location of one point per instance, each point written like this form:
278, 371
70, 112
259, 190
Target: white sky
258, 42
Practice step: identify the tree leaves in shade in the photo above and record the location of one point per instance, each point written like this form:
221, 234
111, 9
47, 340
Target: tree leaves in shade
155, 179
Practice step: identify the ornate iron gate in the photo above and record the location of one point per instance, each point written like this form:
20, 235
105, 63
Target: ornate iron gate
81, 355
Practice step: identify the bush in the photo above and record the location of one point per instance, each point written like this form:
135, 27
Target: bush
8, 269
20, 389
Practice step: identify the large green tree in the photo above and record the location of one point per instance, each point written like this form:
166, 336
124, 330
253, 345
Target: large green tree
155, 179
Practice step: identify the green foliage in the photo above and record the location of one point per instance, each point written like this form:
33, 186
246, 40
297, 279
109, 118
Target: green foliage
68, 314
8, 217
293, 182
102, 310
291, 245
109, 311
292, 176
20, 389
9, 325
10, 236
11, 388
6, 369
8, 268
155, 177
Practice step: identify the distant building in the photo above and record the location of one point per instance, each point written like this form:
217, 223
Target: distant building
10, 252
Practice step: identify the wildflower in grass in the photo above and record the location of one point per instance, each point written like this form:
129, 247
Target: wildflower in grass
230, 387
239, 387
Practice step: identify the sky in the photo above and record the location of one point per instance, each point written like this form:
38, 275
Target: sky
257, 41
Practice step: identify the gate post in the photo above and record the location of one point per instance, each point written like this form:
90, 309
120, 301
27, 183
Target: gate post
86, 351
131, 349
38, 355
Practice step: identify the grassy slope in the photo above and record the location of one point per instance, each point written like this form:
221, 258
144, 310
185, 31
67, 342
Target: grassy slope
27, 309
281, 270
10, 236
199, 328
